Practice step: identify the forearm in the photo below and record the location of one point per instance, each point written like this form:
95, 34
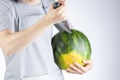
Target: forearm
14, 42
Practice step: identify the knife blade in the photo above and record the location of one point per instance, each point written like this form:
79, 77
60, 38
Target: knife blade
64, 26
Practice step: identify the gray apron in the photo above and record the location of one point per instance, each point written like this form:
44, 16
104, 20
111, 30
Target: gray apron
36, 61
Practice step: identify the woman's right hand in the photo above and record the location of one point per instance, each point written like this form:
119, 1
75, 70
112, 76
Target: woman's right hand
56, 15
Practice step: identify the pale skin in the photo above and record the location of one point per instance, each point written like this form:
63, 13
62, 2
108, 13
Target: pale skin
9, 40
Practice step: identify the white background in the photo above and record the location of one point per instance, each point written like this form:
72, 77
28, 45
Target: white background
100, 21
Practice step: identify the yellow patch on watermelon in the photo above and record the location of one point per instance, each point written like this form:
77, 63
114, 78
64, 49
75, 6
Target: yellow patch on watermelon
69, 58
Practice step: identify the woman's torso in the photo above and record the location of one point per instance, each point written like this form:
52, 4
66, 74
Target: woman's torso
37, 58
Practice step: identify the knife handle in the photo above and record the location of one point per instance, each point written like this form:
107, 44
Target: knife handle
56, 5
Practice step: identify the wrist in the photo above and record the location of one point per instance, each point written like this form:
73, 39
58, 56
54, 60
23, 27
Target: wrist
47, 20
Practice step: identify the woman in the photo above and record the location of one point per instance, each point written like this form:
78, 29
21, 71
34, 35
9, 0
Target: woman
25, 38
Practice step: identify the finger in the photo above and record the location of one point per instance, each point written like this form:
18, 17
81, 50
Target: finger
88, 67
70, 70
76, 69
62, 14
82, 68
61, 7
61, 10
62, 17
88, 62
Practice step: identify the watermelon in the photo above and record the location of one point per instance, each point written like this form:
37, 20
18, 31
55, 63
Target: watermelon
70, 47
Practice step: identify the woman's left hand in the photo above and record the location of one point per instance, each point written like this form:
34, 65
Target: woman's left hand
76, 68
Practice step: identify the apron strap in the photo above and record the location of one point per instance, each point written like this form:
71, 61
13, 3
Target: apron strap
16, 18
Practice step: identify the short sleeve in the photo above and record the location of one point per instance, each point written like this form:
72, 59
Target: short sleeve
6, 18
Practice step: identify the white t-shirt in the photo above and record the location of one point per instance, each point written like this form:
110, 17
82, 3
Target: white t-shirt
37, 58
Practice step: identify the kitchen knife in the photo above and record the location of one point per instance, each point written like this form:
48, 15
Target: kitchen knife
64, 25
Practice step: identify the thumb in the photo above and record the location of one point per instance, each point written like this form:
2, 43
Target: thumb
87, 61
